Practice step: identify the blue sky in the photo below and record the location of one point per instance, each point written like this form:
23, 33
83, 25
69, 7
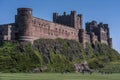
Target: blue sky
106, 11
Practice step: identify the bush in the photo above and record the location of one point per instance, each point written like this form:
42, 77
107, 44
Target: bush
95, 63
59, 63
113, 67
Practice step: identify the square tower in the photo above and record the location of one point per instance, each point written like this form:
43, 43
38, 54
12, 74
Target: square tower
71, 20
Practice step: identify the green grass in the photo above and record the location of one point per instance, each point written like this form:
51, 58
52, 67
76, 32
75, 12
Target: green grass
57, 76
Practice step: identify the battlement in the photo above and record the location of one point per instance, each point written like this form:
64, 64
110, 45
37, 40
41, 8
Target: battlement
65, 26
72, 19
24, 11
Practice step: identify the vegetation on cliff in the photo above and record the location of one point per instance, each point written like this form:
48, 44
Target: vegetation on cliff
58, 55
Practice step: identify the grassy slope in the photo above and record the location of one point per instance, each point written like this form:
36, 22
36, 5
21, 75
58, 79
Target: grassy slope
57, 76
58, 55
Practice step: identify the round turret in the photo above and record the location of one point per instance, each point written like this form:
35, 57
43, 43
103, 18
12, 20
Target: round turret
23, 22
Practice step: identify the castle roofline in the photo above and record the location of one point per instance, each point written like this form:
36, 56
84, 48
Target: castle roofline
23, 8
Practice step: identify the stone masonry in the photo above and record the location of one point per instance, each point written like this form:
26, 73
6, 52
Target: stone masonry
66, 26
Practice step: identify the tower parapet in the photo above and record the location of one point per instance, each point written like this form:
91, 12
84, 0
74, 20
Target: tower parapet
24, 11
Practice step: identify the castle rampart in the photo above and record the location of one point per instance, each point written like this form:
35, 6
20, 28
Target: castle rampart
47, 29
66, 26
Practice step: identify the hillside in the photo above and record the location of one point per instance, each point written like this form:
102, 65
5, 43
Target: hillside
57, 55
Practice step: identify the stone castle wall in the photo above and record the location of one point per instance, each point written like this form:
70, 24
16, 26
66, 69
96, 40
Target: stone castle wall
29, 28
46, 29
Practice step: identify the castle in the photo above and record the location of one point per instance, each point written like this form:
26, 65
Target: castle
66, 26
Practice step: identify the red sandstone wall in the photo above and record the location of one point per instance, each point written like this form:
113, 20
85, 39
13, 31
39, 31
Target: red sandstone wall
46, 29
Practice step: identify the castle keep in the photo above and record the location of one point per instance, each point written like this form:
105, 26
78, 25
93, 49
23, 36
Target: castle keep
29, 28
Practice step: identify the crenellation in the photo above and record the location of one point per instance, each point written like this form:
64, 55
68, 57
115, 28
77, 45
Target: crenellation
66, 26
71, 20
